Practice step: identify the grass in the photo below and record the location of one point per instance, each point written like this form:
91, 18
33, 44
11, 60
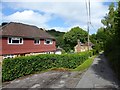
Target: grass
85, 65
81, 67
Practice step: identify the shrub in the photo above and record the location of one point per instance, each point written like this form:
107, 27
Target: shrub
21, 66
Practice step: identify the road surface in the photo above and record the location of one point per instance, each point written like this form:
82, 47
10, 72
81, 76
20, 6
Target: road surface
99, 75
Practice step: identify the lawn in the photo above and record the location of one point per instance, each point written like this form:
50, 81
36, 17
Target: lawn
85, 65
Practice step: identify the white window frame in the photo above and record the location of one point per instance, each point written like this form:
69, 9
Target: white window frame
15, 38
8, 56
37, 43
51, 41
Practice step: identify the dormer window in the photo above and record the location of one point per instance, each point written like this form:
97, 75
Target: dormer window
48, 41
15, 40
36, 41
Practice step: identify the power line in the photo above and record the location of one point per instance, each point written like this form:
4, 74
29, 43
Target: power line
92, 26
88, 10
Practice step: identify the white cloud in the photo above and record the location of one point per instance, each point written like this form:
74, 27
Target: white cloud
73, 13
28, 17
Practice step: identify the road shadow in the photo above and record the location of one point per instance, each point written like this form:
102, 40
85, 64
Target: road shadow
102, 69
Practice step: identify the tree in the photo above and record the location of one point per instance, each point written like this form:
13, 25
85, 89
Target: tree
109, 30
98, 39
73, 35
93, 38
117, 24
108, 21
116, 47
101, 36
58, 36
112, 31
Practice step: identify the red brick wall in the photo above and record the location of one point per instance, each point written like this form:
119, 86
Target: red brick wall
28, 46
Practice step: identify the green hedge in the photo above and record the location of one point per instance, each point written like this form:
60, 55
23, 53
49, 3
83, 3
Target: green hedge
21, 66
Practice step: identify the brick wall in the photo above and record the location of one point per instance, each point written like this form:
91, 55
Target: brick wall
28, 46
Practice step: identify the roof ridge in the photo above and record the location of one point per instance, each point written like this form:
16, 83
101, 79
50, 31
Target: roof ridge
25, 24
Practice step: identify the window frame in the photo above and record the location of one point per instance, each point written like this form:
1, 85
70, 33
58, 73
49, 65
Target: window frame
37, 43
15, 38
51, 41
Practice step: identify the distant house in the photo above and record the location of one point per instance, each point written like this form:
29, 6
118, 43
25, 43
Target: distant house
19, 39
58, 50
81, 47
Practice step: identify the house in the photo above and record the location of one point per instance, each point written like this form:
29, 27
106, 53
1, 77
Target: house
19, 39
58, 51
81, 47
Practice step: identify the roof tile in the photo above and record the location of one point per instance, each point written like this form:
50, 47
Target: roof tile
24, 30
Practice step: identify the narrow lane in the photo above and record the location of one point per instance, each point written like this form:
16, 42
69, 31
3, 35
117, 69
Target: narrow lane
99, 75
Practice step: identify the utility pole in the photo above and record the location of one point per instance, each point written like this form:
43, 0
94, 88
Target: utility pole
88, 20
88, 34
88, 23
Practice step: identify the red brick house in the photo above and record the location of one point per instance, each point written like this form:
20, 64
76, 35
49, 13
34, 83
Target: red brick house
19, 39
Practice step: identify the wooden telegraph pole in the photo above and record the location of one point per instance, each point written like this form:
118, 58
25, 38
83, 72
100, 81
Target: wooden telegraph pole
88, 21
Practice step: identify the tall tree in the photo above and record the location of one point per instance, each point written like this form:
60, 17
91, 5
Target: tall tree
117, 24
109, 30
58, 36
73, 35
93, 38
108, 21
112, 30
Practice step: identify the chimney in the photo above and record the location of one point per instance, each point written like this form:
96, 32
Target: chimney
4, 23
78, 42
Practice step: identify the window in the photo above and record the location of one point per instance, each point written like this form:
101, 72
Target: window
8, 56
36, 41
48, 41
15, 40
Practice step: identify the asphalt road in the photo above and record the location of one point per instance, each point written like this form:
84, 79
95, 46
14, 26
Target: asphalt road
99, 75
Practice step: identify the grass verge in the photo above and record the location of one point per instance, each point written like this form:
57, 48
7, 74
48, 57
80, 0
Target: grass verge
85, 65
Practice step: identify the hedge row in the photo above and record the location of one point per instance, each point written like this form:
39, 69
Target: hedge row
21, 66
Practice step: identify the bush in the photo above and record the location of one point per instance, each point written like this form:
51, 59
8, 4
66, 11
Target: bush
21, 66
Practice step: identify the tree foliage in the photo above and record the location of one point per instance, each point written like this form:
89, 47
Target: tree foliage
71, 37
58, 36
99, 39
112, 37
68, 40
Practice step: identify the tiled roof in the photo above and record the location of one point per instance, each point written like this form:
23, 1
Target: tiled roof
90, 44
23, 30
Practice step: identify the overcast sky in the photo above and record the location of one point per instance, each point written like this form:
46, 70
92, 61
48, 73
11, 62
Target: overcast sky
54, 15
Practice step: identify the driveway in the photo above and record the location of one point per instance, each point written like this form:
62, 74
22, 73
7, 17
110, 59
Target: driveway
50, 79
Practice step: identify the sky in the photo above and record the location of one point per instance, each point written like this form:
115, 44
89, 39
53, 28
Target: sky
60, 15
